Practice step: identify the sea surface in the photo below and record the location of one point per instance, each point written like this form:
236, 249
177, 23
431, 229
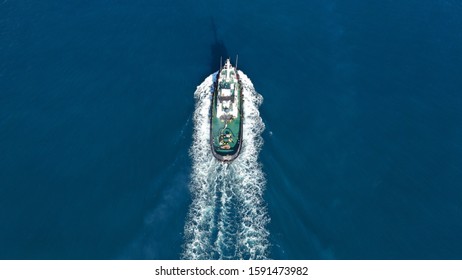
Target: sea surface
354, 147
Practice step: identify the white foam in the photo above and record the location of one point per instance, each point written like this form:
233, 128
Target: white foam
227, 218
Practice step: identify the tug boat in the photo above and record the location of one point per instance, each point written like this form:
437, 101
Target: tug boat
226, 116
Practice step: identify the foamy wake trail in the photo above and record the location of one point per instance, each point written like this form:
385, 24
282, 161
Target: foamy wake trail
227, 218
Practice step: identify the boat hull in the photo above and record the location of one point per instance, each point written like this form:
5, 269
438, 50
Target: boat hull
226, 118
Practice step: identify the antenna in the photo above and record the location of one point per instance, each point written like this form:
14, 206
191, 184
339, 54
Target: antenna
237, 56
220, 61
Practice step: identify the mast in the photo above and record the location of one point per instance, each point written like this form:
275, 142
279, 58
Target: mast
237, 56
220, 62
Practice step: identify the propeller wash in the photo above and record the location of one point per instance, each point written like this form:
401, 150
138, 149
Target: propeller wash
227, 218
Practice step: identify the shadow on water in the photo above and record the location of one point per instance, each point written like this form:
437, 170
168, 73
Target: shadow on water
218, 49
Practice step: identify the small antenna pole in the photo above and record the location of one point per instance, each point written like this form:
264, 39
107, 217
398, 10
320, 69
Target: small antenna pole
237, 56
220, 62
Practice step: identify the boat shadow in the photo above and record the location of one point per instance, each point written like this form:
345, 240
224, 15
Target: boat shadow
218, 49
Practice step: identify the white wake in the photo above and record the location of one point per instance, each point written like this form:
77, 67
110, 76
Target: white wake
227, 218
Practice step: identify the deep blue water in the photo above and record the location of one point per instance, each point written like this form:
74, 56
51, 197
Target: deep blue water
362, 153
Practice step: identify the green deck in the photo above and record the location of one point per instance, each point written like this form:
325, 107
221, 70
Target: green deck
226, 132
